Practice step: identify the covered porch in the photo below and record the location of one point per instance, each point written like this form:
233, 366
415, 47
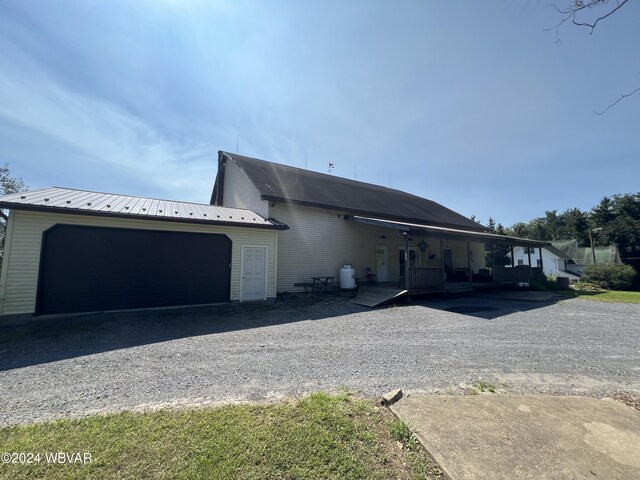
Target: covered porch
446, 262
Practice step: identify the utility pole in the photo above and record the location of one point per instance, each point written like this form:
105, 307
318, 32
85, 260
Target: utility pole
593, 250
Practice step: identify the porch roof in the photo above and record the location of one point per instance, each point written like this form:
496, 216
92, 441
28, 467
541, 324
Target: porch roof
444, 232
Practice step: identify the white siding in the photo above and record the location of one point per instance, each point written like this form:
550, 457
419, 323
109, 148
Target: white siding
319, 242
240, 192
551, 264
20, 270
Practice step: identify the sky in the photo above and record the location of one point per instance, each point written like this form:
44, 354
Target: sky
471, 104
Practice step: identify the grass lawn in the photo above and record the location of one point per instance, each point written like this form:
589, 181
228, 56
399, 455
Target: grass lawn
603, 295
320, 436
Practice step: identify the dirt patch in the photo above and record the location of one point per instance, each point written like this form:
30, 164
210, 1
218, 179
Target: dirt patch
406, 462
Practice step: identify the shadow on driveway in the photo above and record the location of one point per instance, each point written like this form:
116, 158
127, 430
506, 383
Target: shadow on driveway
492, 305
53, 339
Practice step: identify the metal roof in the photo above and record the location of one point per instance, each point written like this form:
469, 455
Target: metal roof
283, 183
452, 232
72, 201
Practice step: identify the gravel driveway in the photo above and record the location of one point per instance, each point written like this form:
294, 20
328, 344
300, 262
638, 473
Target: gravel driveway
106, 362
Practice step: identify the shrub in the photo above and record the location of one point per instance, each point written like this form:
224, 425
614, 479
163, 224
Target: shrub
545, 284
612, 277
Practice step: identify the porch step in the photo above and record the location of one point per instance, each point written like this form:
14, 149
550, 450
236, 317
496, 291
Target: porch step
376, 296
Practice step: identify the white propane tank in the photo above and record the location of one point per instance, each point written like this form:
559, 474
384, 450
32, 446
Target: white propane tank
347, 277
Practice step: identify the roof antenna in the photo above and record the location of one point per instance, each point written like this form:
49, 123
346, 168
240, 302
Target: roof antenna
330, 167
237, 142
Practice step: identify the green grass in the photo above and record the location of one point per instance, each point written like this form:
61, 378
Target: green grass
587, 291
603, 295
320, 436
484, 386
414, 452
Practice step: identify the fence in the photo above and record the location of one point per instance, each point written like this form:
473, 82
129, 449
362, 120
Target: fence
521, 273
425, 278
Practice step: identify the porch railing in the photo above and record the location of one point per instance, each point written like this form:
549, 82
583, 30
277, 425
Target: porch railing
521, 273
425, 278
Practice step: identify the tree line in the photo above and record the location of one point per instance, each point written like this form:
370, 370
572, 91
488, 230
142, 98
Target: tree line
615, 220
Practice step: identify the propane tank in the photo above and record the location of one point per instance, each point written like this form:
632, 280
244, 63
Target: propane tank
347, 277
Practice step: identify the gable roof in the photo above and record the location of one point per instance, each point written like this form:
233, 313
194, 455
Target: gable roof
558, 253
85, 202
283, 183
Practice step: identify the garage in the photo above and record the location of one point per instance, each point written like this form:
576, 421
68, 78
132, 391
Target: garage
84, 269
71, 251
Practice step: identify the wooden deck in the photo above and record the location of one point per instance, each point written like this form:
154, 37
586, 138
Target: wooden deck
446, 288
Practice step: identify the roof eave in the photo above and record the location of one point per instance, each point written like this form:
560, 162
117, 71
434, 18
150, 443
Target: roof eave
456, 233
93, 213
272, 198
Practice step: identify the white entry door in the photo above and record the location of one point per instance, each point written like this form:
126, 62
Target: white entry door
382, 263
254, 274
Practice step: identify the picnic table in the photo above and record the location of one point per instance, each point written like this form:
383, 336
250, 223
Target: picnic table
322, 283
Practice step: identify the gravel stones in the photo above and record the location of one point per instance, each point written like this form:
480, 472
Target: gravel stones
255, 352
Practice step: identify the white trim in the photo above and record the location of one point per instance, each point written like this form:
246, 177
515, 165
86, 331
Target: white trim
266, 272
275, 268
8, 234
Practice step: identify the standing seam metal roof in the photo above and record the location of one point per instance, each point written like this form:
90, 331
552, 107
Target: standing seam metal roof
73, 201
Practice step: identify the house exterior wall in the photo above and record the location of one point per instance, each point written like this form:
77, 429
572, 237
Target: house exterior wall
239, 192
19, 279
320, 241
552, 265
459, 254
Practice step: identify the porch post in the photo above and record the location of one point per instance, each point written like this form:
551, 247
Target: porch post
406, 260
529, 255
442, 259
493, 263
469, 272
513, 265
541, 265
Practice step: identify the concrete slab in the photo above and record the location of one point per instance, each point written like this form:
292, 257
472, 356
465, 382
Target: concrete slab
515, 437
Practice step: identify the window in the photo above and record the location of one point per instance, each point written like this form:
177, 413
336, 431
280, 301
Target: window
539, 263
520, 262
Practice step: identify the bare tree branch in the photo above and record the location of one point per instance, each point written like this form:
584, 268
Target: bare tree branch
592, 26
614, 103
577, 7
575, 13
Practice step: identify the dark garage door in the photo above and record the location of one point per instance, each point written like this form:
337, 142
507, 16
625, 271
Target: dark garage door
85, 269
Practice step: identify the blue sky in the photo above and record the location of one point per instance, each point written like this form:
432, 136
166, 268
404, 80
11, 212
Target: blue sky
471, 104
